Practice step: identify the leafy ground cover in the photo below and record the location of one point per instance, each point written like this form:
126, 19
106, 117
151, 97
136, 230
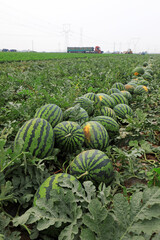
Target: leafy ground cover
129, 207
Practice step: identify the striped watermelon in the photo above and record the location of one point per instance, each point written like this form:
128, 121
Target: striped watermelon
93, 97
106, 111
85, 103
129, 87
53, 182
122, 110
140, 89
119, 86
93, 165
147, 76
143, 82
96, 136
113, 90
76, 114
109, 123
127, 95
119, 98
69, 136
106, 100
50, 112
138, 71
148, 70
36, 136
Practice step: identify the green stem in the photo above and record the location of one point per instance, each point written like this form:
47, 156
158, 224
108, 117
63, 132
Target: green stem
23, 225
11, 162
83, 174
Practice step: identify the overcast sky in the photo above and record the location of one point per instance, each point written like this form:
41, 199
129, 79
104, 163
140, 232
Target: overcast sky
52, 25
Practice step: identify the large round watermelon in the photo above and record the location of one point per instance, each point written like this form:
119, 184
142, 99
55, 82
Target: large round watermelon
119, 86
53, 182
93, 97
127, 95
85, 103
143, 82
147, 76
96, 136
50, 112
119, 98
109, 123
106, 111
122, 110
76, 114
69, 136
140, 89
138, 71
106, 100
35, 136
129, 87
113, 90
93, 165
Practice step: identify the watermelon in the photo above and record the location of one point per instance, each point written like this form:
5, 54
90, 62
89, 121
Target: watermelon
93, 97
85, 103
35, 136
119, 98
69, 136
140, 89
53, 182
147, 76
138, 71
76, 114
93, 165
50, 112
127, 95
129, 87
119, 86
143, 82
96, 136
122, 110
105, 111
148, 70
106, 100
113, 90
109, 123
145, 64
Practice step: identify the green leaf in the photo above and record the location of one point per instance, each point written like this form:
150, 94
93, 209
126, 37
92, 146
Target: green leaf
86, 233
98, 221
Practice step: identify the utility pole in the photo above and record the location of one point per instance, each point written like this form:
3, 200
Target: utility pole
81, 37
66, 30
32, 46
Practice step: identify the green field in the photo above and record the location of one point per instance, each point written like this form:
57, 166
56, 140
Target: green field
26, 56
130, 203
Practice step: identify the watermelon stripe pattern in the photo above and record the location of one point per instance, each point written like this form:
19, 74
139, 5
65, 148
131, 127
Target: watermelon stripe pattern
93, 97
119, 98
140, 89
50, 112
122, 110
38, 137
69, 136
113, 90
119, 86
106, 100
127, 95
96, 136
76, 114
105, 111
95, 164
85, 103
52, 182
109, 123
